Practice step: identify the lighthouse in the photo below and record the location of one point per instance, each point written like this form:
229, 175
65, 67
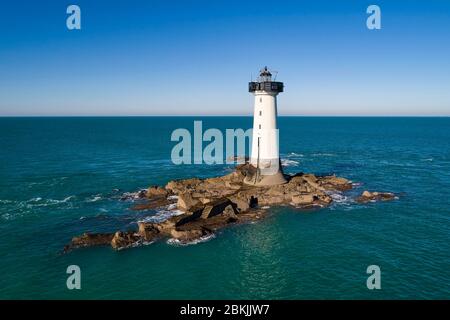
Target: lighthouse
265, 156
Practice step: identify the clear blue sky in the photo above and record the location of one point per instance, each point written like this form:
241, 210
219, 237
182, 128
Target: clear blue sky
196, 57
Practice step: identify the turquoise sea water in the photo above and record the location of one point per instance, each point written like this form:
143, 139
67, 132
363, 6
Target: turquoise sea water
60, 177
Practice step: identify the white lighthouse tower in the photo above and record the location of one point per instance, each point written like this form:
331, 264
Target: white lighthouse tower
265, 156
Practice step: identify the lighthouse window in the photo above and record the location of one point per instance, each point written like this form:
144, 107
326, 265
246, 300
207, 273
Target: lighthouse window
260, 99
260, 126
260, 113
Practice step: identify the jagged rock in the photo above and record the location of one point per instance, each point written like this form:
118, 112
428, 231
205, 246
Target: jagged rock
141, 194
181, 186
335, 183
156, 191
242, 204
302, 199
186, 201
89, 240
124, 239
152, 204
267, 199
215, 208
148, 231
213, 203
189, 235
312, 181
246, 170
166, 226
367, 196
325, 199
205, 200
230, 212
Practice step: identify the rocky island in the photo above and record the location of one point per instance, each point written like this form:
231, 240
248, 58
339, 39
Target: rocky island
213, 203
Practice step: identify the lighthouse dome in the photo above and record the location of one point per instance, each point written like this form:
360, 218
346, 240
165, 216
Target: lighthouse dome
265, 83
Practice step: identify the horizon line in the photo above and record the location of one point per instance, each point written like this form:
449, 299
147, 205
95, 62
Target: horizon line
229, 115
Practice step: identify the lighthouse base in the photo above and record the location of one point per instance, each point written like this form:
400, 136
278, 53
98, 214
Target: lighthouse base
255, 178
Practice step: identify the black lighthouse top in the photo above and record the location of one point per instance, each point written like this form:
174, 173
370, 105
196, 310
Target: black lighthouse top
265, 83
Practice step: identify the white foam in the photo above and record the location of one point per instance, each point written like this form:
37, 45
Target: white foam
339, 198
172, 198
67, 199
289, 163
39, 202
323, 155
176, 242
94, 199
293, 155
172, 206
162, 216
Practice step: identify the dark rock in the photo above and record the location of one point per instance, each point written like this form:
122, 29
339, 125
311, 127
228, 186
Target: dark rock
215, 208
156, 192
141, 194
367, 196
214, 203
151, 204
89, 240
190, 235
242, 204
148, 231
123, 240
186, 201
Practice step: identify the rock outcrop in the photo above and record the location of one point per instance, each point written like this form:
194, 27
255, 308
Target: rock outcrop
90, 239
213, 203
368, 196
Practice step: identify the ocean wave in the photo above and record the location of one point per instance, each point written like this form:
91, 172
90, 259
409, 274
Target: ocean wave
19, 208
293, 155
134, 195
7, 216
138, 243
162, 215
95, 198
176, 242
289, 163
323, 155
40, 202
339, 198
52, 182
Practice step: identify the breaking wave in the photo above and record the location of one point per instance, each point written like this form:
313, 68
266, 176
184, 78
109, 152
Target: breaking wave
289, 163
176, 242
323, 155
14, 209
294, 154
94, 198
39, 202
162, 215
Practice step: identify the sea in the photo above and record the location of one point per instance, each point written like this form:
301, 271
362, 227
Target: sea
63, 176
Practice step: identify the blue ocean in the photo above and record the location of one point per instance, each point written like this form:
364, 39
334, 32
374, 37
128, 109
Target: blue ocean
60, 177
